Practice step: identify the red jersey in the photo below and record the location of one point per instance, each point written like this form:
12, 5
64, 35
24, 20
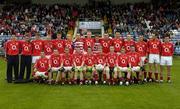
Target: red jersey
26, 48
48, 47
59, 45
127, 44
117, 43
167, 49
133, 59
12, 47
100, 58
154, 46
111, 59
88, 42
69, 44
42, 65
105, 45
89, 59
67, 60
37, 46
123, 60
55, 60
141, 48
78, 59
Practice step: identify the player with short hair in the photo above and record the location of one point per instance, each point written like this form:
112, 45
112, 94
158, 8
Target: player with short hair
88, 41
78, 63
167, 50
68, 43
59, 44
134, 64
90, 72
122, 67
56, 64
128, 42
100, 64
48, 47
117, 42
106, 43
67, 59
111, 60
141, 48
154, 46
37, 46
41, 68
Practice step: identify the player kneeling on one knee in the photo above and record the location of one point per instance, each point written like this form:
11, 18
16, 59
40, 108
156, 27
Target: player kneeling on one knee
134, 64
41, 68
56, 66
90, 72
111, 64
122, 67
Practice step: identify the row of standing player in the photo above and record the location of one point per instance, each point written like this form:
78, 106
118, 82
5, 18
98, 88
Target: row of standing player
152, 49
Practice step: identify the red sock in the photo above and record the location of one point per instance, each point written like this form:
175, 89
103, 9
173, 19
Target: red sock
96, 77
145, 74
121, 79
150, 75
104, 77
115, 80
168, 78
161, 78
156, 76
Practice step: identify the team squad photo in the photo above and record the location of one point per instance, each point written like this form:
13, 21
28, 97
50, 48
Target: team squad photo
89, 54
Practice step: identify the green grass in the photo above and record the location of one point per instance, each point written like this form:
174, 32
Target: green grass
40, 96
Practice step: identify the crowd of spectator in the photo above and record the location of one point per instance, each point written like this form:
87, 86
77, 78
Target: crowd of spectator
138, 18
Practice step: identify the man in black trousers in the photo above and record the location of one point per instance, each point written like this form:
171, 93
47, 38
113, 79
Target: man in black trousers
12, 52
26, 59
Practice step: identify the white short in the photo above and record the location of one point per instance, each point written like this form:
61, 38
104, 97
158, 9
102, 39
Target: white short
48, 56
54, 69
142, 60
166, 60
99, 67
121, 69
68, 68
135, 69
42, 74
154, 58
34, 58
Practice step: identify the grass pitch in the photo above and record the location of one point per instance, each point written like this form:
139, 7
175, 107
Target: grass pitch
40, 96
